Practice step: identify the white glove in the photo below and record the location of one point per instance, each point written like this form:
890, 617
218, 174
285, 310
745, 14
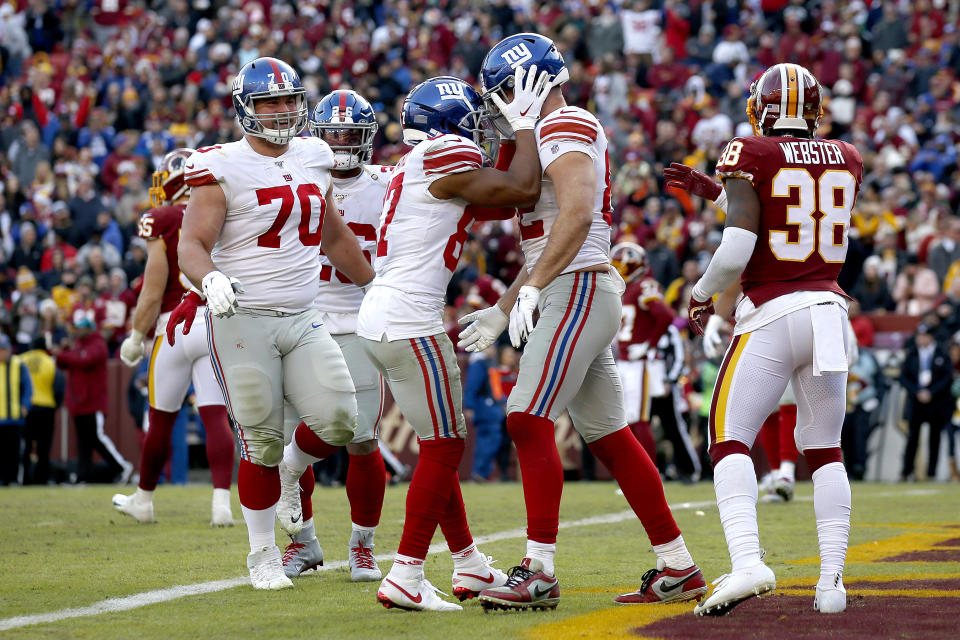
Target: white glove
516, 322
221, 293
527, 304
637, 351
712, 342
131, 349
524, 111
485, 327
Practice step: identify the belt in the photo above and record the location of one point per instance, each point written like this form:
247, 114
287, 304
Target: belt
269, 312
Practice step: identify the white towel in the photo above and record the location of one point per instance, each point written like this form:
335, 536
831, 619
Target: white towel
829, 354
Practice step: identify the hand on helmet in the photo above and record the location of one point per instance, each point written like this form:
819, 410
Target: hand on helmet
528, 97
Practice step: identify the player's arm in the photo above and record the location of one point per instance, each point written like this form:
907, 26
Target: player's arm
575, 182
739, 240
494, 188
154, 282
727, 300
202, 222
340, 245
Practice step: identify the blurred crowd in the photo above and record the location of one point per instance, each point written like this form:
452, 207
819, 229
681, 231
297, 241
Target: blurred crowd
94, 92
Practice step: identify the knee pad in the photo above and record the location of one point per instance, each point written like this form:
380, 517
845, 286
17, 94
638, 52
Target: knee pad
337, 430
266, 452
251, 395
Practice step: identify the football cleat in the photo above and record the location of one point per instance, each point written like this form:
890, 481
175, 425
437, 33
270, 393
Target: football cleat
363, 566
470, 578
412, 595
300, 557
266, 569
289, 509
221, 514
784, 488
767, 482
527, 587
141, 511
733, 588
771, 496
664, 584
832, 598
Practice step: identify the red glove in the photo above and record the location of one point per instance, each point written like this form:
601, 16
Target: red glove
184, 312
697, 314
680, 176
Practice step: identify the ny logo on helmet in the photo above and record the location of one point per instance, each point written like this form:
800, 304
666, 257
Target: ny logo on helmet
516, 55
238, 84
450, 91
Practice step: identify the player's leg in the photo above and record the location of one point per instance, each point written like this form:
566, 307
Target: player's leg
216, 424
104, 445
786, 476
167, 383
821, 405
316, 381
247, 366
366, 473
754, 373
770, 440
636, 403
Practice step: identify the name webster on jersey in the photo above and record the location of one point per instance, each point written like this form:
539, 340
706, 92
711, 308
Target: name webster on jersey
812, 152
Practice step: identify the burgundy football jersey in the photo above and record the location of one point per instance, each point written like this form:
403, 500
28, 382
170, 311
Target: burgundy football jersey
163, 223
636, 322
807, 189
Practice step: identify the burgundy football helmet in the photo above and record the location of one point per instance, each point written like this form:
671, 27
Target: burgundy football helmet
630, 260
168, 179
787, 97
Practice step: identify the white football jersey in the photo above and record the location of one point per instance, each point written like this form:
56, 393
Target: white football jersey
275, 206
360, 201
563, 131
420, 241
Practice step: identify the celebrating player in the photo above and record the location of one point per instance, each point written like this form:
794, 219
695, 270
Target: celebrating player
423, 228
173, 367
346, 121
259, 210
568, 363
789, 199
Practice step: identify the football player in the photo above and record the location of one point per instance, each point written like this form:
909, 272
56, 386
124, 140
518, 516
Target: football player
423, 228
173, 367
259, 210
568, 363
789, 198
347, 122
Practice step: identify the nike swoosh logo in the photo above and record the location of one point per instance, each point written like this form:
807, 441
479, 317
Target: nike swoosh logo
679, 583
406, 593
537, 593
189, 166
295, 518
314, 325
524, 112
488, 579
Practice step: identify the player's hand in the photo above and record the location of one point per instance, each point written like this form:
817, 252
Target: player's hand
637, 351
184, 312
485, 327
131, 349
221, 292
526, 304
516, 322
697, 314
712, 341
680, 176
524, 110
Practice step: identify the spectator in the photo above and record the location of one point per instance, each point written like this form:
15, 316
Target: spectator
84, 358
891, 31
916, 288
487, 410
48, 386
27, 152
605, 34
946, 251
28, 253
871, 290
84, 207
927, 375
15, 394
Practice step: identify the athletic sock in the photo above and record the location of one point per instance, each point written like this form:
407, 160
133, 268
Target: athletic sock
220, 444
366, 484
453, 523
429, 494
541, 471
307, 484
156, 447
832, 506
674, 554
259, 491
734, 480
543, 552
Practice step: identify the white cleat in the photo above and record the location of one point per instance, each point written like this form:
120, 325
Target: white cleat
221, 514
733, 588
266, 570
140, 510
832, 598
784, 488
767, 482
289, 509
470, 578
363, 566
412, 595
771, 496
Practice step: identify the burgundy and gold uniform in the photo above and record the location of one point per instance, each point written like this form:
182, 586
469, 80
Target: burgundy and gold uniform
644, 316
163, 223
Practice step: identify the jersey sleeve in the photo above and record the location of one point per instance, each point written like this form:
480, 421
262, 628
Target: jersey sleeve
449, 154
319, 155
207, 166
564, 131
154, 224
741, 158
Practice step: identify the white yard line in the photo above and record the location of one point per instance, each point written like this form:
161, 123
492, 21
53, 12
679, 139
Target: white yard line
180, 591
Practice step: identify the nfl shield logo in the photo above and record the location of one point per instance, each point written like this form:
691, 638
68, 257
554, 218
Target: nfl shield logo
288, 177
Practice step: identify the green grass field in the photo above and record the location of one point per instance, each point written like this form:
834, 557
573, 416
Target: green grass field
65, 548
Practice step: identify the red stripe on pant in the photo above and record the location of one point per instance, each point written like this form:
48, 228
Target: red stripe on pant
426, 382
553, 345
573, 343
446, 386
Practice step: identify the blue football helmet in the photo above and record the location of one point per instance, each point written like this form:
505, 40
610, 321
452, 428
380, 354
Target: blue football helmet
347, 122
498, 68
442, 105
268, 78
